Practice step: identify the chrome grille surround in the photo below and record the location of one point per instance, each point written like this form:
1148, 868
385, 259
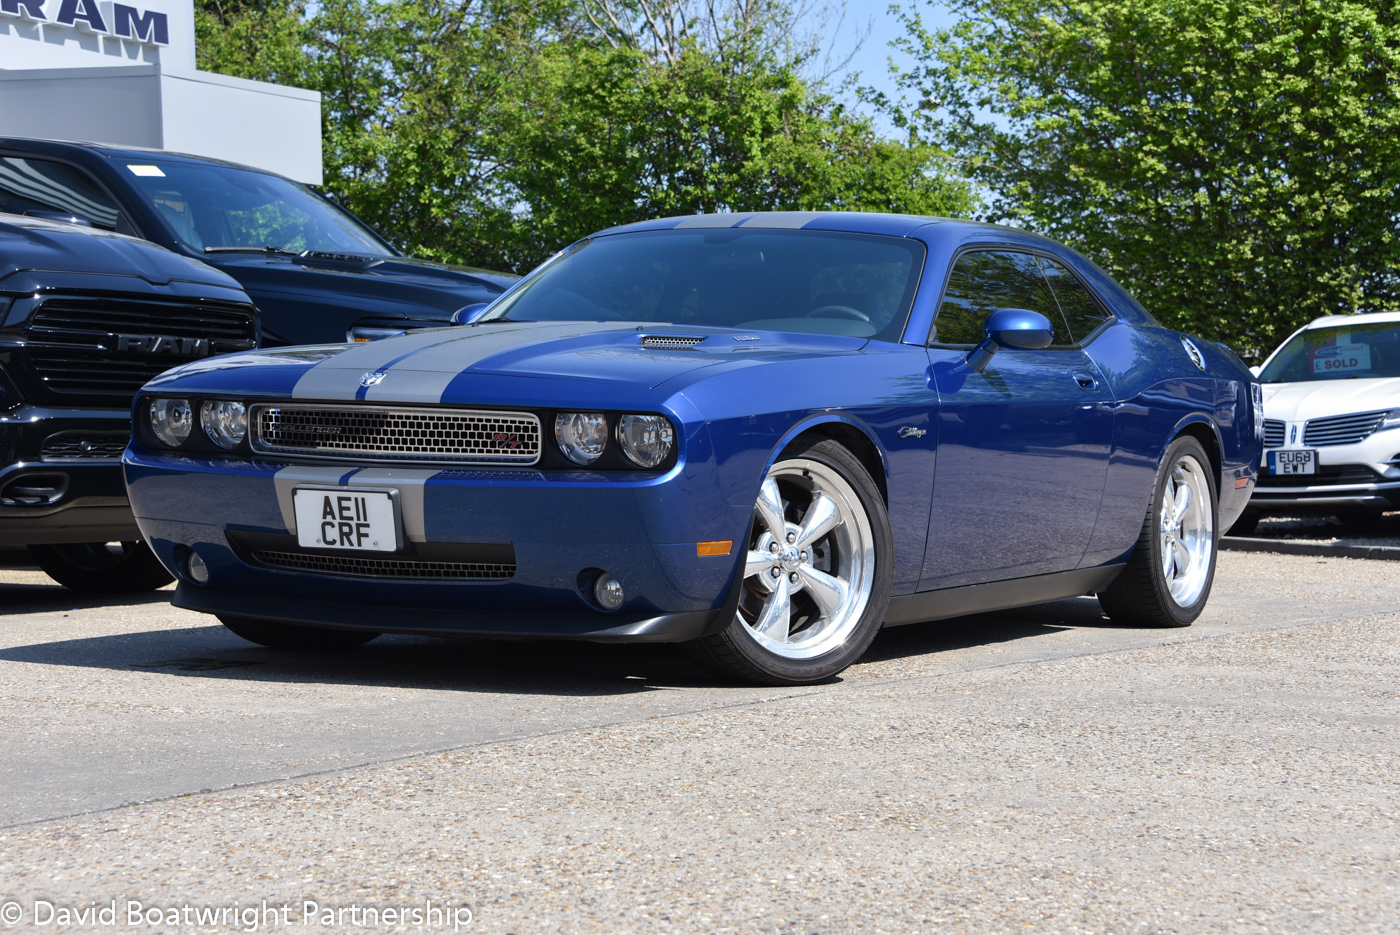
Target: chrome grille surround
671, 341
1273, 433
359, 567
1342, 430
396, 434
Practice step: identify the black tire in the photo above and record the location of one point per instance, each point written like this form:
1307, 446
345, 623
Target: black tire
736, 651
1140, 595
1246, 524
117, 567
275, 634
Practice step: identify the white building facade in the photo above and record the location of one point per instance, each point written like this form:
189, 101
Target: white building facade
102, 71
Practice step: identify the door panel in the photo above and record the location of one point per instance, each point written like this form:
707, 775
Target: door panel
1022, 456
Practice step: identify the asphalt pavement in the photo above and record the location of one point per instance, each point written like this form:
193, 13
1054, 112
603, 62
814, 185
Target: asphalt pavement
1037, 770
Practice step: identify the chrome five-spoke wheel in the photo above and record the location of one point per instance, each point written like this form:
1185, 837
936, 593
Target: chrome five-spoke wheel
807, 577
1186, 531
816, 573
1167, 580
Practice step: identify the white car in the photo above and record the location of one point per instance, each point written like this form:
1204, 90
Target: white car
1331, 421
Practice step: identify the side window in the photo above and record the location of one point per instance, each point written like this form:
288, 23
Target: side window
983, 281
1082, 313
37, 185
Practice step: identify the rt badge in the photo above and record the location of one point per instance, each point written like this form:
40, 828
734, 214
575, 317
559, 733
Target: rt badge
373, 377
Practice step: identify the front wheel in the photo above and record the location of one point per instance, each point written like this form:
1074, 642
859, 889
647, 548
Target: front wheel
112, 567
275, 634
1168, 579
816, 576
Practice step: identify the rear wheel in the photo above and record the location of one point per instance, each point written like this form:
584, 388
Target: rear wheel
103, 566
277, 635
816, 579
1167, 581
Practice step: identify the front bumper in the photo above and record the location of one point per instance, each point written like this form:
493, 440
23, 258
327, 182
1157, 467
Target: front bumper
559, 530
89, 502
1361, 475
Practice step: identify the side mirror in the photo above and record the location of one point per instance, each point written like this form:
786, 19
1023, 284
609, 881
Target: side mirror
468, 314
1018, 328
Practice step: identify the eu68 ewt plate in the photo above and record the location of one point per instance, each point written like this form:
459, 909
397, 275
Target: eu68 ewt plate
1303, 461
347, 518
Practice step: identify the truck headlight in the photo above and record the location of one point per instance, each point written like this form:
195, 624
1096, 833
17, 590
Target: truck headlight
171, 421
647, 440
225, 421
582, 436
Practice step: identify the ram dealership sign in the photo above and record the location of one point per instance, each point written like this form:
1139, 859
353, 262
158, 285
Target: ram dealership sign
108, 19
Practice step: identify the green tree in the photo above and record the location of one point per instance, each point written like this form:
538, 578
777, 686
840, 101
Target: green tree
260, 39
1235, 163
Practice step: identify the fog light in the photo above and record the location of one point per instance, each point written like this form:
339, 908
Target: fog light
607, 590
198, 571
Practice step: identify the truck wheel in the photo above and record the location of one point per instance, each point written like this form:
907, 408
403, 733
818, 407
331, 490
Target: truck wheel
126, 567
275, 634
817, 576
1167, 581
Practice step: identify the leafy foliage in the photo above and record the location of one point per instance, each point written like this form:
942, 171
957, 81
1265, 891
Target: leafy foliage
495, 132
1234, 163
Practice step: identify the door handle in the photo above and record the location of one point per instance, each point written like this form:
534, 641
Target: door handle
1086, 381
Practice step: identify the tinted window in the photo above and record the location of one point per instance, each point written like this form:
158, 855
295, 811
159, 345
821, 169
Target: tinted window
1337, 352
986, 280
815, 281
37, 185
211, 206
1081, 311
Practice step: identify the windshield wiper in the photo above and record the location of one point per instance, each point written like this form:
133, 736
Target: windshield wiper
280, 251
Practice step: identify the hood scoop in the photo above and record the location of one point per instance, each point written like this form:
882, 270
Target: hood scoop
671, 341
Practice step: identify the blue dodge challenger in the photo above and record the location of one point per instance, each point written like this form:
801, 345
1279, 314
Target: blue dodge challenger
764, 436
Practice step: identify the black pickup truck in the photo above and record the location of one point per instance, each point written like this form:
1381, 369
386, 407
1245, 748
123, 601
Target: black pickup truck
87, 317
316, 273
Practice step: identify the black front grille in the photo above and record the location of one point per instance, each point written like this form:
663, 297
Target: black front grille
1327, 474
83, 446
1273, 433
108, 347
386, 433
1341, 430
359, 567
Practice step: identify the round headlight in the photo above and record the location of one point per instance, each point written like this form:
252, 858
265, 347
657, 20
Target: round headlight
646, 439
171, 420
582, 436
225, 421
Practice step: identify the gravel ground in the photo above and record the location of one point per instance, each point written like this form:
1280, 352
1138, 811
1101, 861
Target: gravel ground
1227, 778
1330, 530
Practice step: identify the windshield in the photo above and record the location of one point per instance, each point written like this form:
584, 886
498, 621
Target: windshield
212, 206
1337, 352
814, 281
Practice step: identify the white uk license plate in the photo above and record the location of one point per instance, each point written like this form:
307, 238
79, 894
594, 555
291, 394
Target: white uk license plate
1293, 462
346, 518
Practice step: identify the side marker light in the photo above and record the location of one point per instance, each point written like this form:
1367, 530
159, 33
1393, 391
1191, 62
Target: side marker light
707, 549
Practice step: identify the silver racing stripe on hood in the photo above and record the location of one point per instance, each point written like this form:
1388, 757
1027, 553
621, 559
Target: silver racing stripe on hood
338, 377
424, 377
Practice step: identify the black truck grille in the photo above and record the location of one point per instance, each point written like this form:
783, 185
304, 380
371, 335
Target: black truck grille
108, 347
84, 446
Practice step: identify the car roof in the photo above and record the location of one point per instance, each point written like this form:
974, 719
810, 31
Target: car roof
1329, 321
113, 151
859, 222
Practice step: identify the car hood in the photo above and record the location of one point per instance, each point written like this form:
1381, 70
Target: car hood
420, 366
385, 287
1298, 402
31, 244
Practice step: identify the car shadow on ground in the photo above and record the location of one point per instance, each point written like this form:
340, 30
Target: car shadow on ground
550, 667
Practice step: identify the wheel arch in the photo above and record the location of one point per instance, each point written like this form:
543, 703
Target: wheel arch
851, 434
1204, 431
